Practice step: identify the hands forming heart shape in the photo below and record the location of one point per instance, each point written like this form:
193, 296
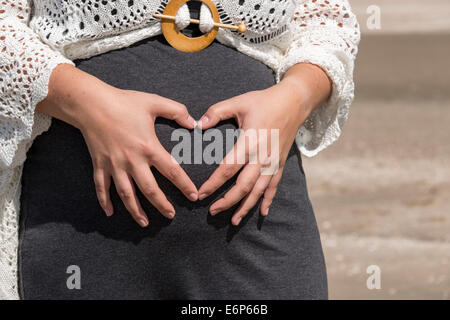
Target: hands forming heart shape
123, 144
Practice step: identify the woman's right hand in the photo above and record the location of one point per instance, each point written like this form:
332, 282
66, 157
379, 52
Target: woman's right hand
118, 127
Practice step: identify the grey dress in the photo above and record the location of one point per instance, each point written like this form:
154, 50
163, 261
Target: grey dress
195, 256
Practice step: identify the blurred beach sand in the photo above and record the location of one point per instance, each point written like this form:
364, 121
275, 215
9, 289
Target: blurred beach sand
381, 193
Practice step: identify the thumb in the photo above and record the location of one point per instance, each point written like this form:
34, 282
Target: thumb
216, 113
178, 112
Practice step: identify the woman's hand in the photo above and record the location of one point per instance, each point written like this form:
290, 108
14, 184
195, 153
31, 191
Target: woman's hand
118, 126
283, 107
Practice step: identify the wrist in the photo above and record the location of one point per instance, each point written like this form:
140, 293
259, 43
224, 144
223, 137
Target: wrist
309, 83
296, 99
71, 92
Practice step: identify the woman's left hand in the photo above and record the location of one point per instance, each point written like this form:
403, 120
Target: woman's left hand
283, 107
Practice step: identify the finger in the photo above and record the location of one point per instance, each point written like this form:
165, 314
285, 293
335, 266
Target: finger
126, 192
251, 200
230, 165
244, 185
146, 182
216, 113
176, 111
270, 193
168, 166
102, 183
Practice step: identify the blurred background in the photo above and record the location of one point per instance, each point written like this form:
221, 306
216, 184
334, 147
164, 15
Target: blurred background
382, 192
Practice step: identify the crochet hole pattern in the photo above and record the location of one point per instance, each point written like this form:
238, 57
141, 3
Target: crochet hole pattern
326, 12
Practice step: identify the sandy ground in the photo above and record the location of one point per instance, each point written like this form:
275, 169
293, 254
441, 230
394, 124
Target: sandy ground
381, 198
381, 192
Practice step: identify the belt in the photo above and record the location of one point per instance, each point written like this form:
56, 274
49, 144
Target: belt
170, 26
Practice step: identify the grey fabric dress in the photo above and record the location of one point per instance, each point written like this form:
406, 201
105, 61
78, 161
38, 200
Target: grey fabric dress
195, 256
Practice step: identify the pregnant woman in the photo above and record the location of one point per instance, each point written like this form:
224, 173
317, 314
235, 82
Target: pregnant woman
94, 205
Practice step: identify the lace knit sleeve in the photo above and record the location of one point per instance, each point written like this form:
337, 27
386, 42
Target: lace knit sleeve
25, 67
325, 33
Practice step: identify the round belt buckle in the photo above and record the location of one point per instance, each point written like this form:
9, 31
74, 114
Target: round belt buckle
177, 39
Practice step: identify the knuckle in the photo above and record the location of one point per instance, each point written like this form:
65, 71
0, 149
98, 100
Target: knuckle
182, 108
125, 194
180, 111
212, 112
99, 188
227, 173
148, 150
259, 192
97, 178
98, 162
102, 162
117, 164
149, 191
245, 188
128, 159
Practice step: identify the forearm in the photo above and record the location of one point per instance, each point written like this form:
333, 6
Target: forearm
70, 93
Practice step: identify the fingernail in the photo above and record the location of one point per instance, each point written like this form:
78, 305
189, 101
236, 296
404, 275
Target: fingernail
238, 221
266, 212
202, 196
192, 120
214, 211
171, 214
143, 223
109, 212
203, 121
193, 196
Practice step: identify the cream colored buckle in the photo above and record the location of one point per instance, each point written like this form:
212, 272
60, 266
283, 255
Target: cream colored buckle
187, 44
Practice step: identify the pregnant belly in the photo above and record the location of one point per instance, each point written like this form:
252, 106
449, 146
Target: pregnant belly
57, 178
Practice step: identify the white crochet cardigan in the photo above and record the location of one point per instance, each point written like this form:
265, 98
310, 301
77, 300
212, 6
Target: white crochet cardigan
36, 36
